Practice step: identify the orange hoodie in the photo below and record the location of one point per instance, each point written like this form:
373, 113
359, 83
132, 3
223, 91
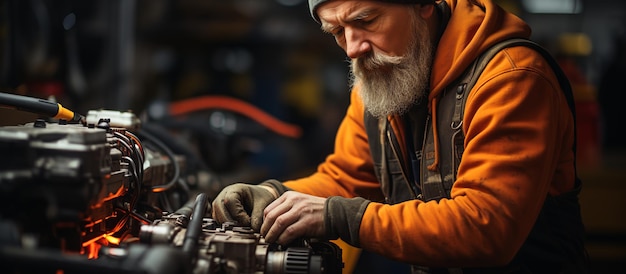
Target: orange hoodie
519, 135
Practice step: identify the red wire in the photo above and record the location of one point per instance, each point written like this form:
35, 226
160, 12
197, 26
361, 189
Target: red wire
238, 106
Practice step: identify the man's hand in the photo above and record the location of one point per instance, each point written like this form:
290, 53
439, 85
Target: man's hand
293, 215
243, 204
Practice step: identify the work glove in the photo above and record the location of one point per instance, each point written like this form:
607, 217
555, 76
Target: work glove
244, 203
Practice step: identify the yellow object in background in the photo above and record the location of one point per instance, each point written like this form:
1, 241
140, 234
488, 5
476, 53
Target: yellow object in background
574, 44
349, 255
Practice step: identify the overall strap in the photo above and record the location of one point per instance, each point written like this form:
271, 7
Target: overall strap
438, 184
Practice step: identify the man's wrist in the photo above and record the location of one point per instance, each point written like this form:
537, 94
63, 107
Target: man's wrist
343, 218
277, 187
271, 190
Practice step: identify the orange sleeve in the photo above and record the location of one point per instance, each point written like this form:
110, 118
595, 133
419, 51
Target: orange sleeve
348, 171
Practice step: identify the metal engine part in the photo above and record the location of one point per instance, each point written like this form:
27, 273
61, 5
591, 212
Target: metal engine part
94, 199
235, 249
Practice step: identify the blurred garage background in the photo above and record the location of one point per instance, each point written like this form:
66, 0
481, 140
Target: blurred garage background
248, 59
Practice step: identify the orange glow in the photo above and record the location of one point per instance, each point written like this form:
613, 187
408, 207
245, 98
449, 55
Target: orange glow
119, 192
93, 246
92, 250
112, 240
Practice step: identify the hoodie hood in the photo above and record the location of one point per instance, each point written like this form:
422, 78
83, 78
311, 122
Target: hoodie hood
474, 26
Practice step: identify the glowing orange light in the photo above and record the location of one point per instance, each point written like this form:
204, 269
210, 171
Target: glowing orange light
93, 246
112, 240
93, 249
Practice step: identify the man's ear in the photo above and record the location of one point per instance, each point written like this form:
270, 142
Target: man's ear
425, 11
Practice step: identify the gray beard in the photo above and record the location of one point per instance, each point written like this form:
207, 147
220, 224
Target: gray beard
390, 85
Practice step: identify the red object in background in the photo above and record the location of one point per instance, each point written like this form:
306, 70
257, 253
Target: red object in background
238, 106
588, 130
46, 89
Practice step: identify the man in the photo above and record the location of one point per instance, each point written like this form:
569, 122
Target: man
513, 206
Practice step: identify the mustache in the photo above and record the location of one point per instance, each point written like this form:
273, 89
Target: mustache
372, 61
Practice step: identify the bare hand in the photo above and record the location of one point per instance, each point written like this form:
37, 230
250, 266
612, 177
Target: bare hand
293, 215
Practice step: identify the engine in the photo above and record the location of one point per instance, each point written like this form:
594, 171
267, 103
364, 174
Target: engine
106, 197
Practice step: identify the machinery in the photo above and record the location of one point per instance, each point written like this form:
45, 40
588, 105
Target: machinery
96, 194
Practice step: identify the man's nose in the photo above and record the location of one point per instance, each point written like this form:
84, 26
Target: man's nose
356, 44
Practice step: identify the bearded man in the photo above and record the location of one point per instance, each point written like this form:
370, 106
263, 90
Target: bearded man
512, 205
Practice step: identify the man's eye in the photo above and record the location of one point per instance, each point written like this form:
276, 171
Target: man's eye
364, 23
337, 32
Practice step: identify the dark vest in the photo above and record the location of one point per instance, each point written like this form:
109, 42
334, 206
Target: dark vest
556, 242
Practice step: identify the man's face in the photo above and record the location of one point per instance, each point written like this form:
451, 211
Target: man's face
390, 49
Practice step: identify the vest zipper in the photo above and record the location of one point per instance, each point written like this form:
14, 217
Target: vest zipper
395, 152
418, 156
421, 167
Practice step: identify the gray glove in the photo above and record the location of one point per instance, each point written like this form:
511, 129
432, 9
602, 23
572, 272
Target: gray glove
244, 203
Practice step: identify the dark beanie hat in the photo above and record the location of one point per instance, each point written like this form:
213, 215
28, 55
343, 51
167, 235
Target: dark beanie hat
313, 4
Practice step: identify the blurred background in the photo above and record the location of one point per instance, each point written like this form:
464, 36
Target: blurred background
257, 90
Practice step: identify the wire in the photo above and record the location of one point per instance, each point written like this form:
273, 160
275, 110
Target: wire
238, 106
131, 150
40, 106
170, 154
137, 144
137, 176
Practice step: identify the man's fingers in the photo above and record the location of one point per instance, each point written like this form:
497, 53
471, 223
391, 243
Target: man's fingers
292, 232
268, 220
219, 214
280, 200
230, 209
256, 219
236, 210
282, 218
292, 216
271, 212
